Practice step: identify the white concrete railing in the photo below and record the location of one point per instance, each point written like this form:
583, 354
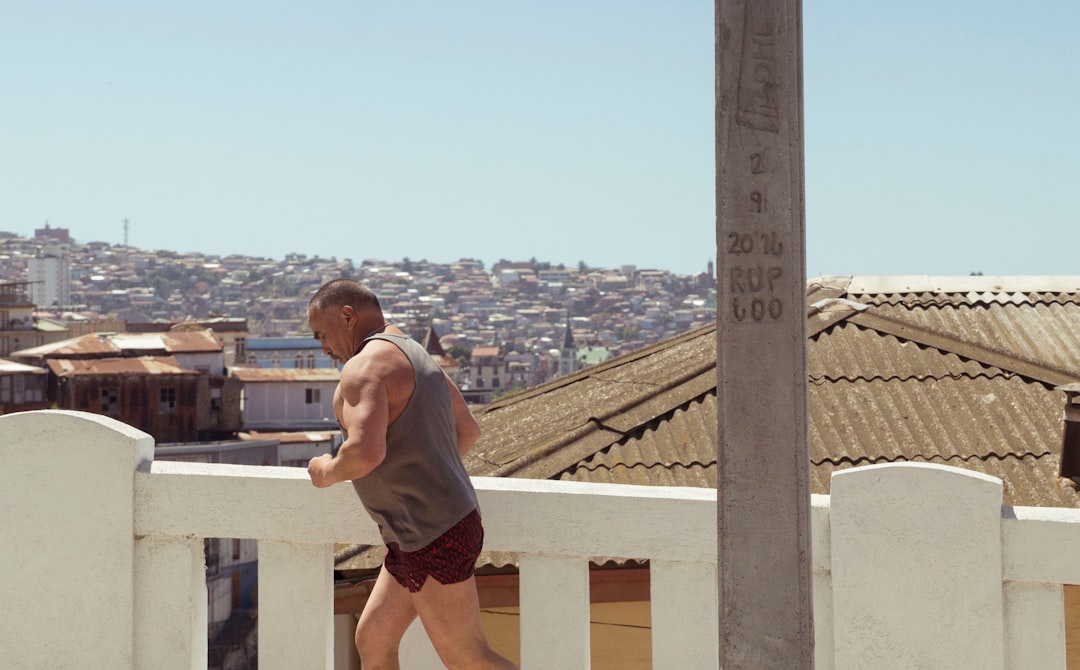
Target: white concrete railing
101, 560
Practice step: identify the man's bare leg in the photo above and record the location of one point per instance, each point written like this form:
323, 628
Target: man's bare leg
386, 617
451, 617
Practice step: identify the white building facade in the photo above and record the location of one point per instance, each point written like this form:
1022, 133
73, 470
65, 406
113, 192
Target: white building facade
50, 277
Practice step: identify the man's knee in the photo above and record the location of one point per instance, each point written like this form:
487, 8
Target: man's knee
374, 650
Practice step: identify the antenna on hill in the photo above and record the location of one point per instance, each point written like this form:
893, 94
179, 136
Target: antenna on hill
125, 232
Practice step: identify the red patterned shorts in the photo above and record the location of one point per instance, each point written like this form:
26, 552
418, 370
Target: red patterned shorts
449, 558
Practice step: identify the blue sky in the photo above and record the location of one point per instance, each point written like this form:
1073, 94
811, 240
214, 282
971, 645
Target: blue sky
941, 137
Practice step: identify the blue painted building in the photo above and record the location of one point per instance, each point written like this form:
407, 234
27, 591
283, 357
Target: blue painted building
285, 352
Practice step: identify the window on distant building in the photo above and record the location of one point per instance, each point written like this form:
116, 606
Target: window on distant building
298, 362
167, 399
108, 401
312, 396
35, 392
241, 348
495, 383
275, 362
311, 361
5, 389
215, 398
252, 360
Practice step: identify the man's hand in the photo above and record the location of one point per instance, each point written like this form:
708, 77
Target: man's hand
317, 470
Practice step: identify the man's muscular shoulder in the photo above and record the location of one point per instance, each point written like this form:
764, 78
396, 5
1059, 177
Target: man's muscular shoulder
382, 361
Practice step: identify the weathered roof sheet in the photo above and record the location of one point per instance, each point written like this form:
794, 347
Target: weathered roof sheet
292, 437
135, 341
11, 368
116, 344
542, 431
959, 371
192, 341
153, 365
93, 344
257, 375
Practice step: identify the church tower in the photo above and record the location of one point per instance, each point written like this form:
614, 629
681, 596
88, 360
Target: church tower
568, 352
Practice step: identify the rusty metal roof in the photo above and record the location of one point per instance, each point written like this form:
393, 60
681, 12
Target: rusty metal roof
94, 344
117, 344
256, 375
192, 341
960, 372
146, 365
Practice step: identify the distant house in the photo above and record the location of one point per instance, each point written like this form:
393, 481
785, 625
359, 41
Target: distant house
290, 353
19, 328
233, 333
152, 393
22, 387
286, 399
487, 374
170, 385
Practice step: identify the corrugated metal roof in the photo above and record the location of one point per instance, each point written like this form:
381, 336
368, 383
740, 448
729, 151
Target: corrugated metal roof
152, 365
294, 437
11, 368
851, 352
874, 395
682, 450
137, 341
192, 341
94, 344
1043, 333
567, 420
964, 418
1028, 481
113, 344
257, 375
863, 285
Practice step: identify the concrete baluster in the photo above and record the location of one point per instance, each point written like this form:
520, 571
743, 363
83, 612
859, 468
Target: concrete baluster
554, 612
926, 540
66, 539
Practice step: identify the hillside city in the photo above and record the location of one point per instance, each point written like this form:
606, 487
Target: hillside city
525, 308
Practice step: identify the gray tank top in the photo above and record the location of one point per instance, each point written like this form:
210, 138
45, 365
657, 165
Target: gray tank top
421, 489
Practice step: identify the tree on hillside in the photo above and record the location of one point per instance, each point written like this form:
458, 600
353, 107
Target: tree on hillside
460, 352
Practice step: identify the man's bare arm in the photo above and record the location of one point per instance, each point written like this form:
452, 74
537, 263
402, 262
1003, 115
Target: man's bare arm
468, 430
364, 415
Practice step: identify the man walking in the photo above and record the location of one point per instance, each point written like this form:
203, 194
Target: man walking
405, 427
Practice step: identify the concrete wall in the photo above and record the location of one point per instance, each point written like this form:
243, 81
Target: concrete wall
284, 406
914, 565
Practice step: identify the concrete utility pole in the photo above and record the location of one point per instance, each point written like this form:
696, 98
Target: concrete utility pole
763, 491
